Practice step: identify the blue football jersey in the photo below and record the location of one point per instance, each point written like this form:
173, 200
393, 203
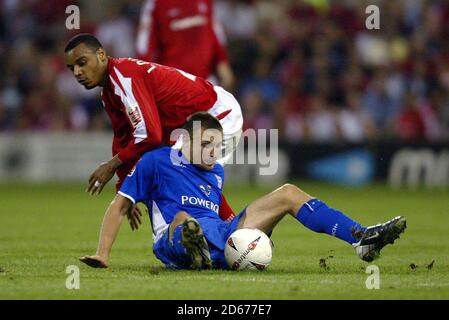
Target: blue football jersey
167, 183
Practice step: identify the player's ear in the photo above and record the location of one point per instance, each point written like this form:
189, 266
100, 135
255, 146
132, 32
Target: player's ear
101, 54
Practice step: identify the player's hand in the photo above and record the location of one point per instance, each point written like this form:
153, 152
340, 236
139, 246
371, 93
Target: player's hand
94, 261
134, 215
100, 177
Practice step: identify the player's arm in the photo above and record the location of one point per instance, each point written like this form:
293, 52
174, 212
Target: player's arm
148, 44
135, 189
109, 230
143, 114
147, 131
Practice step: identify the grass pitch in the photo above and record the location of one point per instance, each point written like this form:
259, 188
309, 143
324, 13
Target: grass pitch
45, 228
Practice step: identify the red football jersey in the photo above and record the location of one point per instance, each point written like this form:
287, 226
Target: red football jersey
147, 101
181, 34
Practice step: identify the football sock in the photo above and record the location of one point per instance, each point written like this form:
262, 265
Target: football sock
317, 216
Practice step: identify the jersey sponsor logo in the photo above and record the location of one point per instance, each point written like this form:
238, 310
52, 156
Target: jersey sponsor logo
134, 115
206, 190
195, 201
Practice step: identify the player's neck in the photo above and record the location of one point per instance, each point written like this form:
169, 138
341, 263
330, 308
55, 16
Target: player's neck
104, 82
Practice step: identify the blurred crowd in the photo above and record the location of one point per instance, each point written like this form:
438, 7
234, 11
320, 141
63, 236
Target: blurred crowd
310, 68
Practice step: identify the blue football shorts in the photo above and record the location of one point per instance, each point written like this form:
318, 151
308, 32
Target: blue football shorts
174, 255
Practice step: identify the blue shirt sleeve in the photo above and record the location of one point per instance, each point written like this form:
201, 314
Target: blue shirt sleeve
140, 181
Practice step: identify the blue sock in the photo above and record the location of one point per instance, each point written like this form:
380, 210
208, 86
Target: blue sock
317, 216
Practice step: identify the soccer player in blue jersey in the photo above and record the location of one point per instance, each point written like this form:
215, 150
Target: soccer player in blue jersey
182, 190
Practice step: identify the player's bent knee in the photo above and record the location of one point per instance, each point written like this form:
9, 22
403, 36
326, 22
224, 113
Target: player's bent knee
289, 191
293, 194
283, 198
289, 188
181, 216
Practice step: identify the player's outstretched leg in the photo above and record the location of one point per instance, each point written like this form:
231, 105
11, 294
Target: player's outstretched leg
314, 214
193, 240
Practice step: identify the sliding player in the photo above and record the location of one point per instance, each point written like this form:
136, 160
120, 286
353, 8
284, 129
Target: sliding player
183, 189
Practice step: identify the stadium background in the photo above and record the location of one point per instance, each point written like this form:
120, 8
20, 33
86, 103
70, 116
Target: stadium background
365, 111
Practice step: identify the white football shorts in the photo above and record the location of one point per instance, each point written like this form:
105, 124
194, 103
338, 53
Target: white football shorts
227, 110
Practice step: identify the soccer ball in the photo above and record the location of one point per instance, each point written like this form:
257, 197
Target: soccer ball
248, 249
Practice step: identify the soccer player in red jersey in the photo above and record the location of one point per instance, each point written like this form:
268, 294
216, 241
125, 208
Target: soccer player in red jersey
145, 102
183, 34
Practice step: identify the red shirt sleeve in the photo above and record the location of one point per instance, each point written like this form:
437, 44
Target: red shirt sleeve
141, 111
225, 212
135, 148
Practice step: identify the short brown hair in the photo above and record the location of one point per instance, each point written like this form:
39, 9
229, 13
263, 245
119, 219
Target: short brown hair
206, 120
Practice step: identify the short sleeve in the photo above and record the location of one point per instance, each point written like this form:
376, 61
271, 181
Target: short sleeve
141, 179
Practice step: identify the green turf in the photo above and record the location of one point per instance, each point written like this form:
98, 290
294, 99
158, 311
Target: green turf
44, 228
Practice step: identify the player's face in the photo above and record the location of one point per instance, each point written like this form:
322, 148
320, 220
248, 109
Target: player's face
205, 154
88, 66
